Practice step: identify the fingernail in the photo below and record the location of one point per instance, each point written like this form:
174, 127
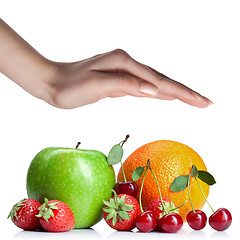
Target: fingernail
148, 89
199, 97
210, 102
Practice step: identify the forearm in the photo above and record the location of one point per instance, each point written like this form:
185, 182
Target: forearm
23, 64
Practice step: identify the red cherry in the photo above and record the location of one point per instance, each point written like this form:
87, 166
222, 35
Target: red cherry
170, 223
146, 221
221, 219
197, 220
129, 188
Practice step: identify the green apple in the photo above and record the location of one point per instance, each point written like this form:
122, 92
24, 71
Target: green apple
80, 178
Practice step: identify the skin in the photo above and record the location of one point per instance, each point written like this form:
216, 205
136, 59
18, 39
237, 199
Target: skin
74, 84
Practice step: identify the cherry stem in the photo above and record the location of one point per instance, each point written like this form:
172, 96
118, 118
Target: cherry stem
125, 140
163, 206
121, 144
189, 196
140, 194
178, 206
78, 144
124, 176
204, 195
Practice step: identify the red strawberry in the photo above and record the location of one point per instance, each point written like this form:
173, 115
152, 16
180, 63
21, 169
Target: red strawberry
120, 212
23, 214
155, 206
56, 216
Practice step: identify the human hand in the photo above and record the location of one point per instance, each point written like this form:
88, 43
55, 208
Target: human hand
71, 85
114, 74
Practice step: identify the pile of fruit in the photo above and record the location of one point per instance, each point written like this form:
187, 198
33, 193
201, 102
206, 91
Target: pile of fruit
160, 186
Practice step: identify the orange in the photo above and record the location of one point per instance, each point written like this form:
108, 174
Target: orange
169, 159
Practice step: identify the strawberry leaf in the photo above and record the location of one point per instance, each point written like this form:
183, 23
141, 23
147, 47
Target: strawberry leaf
179, 183
47, 215
51, 213
122, 200
109, 204
137, 173
114, 219
127, 207
124, 215
110, 215
112, 200
115, 155
46, 210
117, 209
15, 208
206, 177
107, 210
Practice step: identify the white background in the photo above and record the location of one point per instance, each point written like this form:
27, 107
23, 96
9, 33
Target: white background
194, 42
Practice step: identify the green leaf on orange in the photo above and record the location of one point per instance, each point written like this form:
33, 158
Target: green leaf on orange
194, 171
179, 183
137, 173
206, 177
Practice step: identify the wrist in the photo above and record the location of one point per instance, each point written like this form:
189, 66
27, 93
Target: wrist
49, 79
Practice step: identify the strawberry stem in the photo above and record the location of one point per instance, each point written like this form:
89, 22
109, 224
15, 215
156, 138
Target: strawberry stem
140, 194
163, 206
189, 196
204, 195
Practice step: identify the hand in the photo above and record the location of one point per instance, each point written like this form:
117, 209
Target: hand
114, 74
71, 85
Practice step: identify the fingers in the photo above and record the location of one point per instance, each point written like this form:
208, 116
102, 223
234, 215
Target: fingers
121, 84
136, 73
177, 90
183, 92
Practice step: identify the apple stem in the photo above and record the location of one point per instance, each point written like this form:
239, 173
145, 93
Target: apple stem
204, 195
78, 144
189, 196
140, 194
